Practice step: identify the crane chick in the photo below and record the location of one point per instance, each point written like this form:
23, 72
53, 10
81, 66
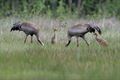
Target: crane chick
54, 37
100, 40
28, 29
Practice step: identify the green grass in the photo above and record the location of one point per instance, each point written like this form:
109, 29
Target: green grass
19, 61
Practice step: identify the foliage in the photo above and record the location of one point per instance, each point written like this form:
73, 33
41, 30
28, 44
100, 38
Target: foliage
60, 8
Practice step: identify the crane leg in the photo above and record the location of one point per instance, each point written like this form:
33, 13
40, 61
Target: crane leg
85, 41
69, 41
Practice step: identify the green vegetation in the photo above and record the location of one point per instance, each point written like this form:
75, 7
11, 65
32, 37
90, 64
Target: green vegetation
19, 61
56, 8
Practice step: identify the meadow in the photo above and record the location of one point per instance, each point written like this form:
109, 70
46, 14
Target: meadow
19, 61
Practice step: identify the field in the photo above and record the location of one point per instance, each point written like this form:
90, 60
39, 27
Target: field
19, 61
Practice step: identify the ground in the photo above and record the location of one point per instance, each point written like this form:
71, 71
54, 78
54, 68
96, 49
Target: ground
19, 61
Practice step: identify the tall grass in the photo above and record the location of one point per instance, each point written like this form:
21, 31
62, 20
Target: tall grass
19, 61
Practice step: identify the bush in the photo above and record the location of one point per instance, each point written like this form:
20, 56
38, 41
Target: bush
60, 8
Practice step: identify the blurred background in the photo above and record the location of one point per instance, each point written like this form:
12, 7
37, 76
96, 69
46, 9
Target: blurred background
60, 8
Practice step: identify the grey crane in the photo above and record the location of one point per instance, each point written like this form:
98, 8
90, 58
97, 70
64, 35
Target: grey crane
80, 30
28, 29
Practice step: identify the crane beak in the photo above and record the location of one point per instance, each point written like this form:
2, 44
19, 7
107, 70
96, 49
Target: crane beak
98, 29
11, 30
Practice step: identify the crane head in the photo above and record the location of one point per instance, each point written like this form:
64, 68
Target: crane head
92, 28
16, 26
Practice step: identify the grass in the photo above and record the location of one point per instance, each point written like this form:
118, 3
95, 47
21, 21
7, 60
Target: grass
19, 61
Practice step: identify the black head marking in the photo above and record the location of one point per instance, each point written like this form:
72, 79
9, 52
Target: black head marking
16, 26
90, 29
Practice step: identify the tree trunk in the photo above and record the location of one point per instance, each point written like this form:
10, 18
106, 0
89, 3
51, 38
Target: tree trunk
70, 5
79, 6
